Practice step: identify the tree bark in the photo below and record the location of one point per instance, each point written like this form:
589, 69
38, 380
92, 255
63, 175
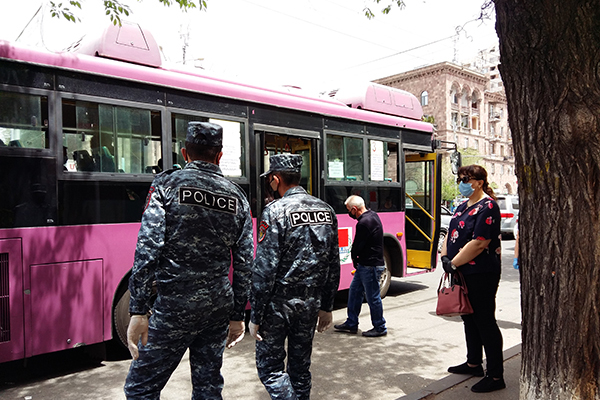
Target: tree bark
550, 66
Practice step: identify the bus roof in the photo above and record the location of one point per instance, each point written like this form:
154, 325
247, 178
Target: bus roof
203, 83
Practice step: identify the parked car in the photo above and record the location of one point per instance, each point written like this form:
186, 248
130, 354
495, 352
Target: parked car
509, 213
445, 217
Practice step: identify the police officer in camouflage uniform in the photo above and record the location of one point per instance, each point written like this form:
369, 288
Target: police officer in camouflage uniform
295, 277
195, 226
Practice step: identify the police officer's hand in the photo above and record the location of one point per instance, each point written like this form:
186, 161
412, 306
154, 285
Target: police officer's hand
325, 320
254, 331
138, 328
236, 333
447, 264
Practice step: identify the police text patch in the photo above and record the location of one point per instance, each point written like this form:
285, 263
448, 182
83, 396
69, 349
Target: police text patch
313, 217
204, 198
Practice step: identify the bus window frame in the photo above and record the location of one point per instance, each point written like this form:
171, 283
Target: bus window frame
328, 182
244, 179
258, 132
107, 176
52, 150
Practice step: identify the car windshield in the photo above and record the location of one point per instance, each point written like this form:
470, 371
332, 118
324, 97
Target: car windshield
501, 203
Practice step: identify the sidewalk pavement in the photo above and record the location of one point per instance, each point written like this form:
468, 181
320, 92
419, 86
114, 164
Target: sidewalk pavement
458, 387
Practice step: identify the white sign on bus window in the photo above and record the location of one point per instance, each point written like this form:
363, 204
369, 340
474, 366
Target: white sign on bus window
336, 169
232, 147
376, 160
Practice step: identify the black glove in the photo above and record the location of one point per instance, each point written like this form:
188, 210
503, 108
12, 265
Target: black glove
447, 264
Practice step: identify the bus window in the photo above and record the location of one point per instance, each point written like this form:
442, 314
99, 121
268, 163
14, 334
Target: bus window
419, 194
383, 161
335, 196
101, 202
344, 158
106, 138
29, 198
232, 163
388, 199
278, 144
23, 120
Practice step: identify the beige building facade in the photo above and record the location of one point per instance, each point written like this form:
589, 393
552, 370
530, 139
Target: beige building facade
467, 110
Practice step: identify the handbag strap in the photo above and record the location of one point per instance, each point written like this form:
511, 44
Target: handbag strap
463, 285
446, 276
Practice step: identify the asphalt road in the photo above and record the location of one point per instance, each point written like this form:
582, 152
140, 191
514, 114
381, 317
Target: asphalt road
417, 351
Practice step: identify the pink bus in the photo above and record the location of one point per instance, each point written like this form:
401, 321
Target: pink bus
82, 135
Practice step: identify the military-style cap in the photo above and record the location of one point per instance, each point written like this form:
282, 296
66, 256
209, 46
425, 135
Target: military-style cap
284, 162
205, 134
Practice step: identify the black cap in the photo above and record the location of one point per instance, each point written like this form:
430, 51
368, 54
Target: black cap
205, 134
284, 162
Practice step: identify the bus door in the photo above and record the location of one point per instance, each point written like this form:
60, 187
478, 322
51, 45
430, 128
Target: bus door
12, 340
274, 140
422, 225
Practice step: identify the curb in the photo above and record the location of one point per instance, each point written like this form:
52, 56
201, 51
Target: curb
451, 380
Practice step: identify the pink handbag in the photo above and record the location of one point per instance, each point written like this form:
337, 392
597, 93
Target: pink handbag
452, 296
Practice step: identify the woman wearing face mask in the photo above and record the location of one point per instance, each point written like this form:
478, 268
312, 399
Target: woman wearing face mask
473, 247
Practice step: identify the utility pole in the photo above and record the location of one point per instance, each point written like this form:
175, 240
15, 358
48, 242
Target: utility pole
184, 34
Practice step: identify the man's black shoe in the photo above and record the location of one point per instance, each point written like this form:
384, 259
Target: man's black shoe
374, 333
345, 328
464, 369
488, 384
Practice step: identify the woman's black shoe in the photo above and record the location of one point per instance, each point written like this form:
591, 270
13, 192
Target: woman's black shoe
488, 384
464, 369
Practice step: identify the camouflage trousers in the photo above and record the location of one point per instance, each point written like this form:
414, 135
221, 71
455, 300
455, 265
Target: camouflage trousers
167, 343
293, 319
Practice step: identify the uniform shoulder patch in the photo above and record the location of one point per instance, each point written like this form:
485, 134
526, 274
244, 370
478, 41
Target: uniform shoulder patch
262, 231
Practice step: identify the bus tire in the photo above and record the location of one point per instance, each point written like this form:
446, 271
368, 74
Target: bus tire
121, 318
386, 277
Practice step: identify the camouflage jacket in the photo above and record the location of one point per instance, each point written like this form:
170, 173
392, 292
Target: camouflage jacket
196, 224
297, 248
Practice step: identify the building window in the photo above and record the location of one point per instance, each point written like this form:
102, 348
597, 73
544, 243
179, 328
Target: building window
493, 168
453, 96
464, 101
501, 169
492, 149
464, 121
466, 143
454, 121
424, 98
474, 101
477, 145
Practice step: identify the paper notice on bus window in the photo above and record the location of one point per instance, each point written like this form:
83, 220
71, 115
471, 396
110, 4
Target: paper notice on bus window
336, 169
232, 147
376, 160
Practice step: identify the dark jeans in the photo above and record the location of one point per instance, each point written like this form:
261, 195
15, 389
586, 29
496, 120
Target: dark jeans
481, 328
365, 283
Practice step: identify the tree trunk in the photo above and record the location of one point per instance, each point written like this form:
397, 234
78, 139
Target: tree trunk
550, 66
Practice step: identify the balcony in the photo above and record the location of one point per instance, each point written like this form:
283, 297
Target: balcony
494, 117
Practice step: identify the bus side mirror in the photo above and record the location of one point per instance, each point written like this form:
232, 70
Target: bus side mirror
456, 161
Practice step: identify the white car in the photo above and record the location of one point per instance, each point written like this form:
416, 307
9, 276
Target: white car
445, 217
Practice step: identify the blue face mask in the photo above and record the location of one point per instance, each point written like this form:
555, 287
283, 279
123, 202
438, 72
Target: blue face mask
466, 189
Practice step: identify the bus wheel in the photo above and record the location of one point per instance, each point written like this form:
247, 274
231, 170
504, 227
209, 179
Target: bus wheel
121, 318
386, 276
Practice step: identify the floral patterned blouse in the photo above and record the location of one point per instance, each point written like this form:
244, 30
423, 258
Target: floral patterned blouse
481, 221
